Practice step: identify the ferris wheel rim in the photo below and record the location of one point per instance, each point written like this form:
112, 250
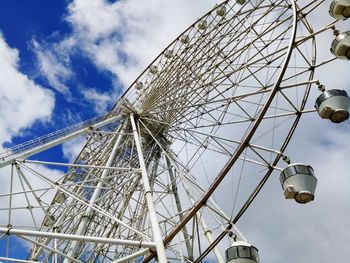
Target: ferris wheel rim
244, 143
271, 169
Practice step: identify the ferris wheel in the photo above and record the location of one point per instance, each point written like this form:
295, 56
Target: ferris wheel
170, 170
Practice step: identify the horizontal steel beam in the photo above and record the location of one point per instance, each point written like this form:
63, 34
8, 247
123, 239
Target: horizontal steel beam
18, 260
113, 241
10, 158
79, 165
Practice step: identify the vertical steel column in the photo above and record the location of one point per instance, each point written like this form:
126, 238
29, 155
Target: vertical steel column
55, 256
119, 216
207, 232
9, 215
96, 194
179, 207
157, 236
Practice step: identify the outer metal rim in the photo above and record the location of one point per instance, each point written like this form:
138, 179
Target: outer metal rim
238, 152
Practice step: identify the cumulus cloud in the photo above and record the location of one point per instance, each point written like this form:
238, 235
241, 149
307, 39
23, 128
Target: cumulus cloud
121, 38
22, 100
93, 19
125, 36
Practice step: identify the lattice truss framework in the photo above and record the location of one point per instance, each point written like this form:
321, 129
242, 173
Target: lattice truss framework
222, 99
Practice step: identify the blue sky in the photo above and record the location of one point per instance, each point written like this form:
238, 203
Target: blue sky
32, 27
65, 61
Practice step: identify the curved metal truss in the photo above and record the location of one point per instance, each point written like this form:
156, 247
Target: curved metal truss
176, 163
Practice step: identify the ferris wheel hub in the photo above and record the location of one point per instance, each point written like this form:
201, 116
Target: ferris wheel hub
125, 107
49, 220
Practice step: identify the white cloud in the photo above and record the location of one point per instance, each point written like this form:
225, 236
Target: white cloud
22, 100
72, 148
93, 19
23, 103
121, 37
100, 101
55, 68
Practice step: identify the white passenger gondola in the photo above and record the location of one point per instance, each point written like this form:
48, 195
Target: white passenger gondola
241, 2
168, 53
221, 11
184, 39
97, 136
340, 9
299, 182
334, 105
153, 69
242, 252
138, 85
341, 46
72, 176
59, 198
84, 155
49, 220
98, 162
202, 25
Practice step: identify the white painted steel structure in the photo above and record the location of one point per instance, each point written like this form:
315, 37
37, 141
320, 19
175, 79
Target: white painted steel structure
162, 174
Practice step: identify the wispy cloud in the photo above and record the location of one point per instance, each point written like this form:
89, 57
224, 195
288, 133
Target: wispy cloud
100, 101
53, 66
